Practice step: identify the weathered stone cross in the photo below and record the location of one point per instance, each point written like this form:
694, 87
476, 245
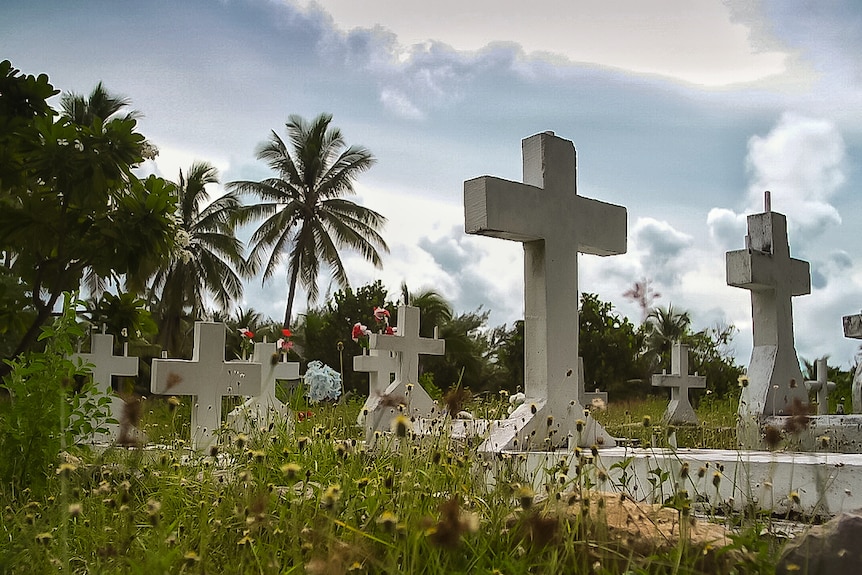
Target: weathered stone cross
266, 408
207, 377
105, 366
407, 346
766, 269
553, 223
853, 329
679, 409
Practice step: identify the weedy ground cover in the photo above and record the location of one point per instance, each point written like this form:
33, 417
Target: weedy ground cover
307, 498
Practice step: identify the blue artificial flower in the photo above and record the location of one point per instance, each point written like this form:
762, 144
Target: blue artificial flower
322, 381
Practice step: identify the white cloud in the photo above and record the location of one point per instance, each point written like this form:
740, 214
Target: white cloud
698, 41
801, 160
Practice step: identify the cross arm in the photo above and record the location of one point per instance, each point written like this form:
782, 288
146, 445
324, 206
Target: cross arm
496, 207
756, 271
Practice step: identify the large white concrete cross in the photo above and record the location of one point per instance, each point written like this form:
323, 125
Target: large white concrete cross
821, 386
766, 269
379, 366
105, 366
554, 223
207, 377
546, 214
259, 411
853, 329
679, 409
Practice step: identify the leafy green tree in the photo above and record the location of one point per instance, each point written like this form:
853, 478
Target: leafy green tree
305, 215
73, 207
206, 261
611, 346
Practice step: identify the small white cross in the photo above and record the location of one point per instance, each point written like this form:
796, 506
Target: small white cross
105, 366
679, 409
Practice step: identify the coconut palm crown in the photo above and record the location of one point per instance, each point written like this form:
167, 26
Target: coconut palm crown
306, 218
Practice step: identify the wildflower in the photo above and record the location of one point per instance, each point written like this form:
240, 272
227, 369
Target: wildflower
301, 442
771, 436
701, 472
579, 425
525, 496
362, 482
290, 470
399, 425
387, 521
246, 540
66, 469
794, 497
75, 509
190, 558
258, 455
647, 421
44, 538
602, 476
683, 470
716, 478
824, 441
331, 496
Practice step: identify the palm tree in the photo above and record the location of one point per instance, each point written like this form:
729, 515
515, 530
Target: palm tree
205, 260
305, 216
434, 310
100, 106
663, 327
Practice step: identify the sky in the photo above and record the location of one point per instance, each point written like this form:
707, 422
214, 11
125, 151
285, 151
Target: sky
683, 111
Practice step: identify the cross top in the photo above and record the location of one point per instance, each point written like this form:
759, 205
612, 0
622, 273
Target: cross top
821, 386
407, 345
207, 377
766, 269
546, 214
679, 410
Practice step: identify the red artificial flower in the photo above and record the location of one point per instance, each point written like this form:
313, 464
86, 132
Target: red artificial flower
388, 331
381, 314
359, 331
286, 332
303, 415
245, 332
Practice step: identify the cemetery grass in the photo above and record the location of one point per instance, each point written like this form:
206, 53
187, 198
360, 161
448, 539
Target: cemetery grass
311, 500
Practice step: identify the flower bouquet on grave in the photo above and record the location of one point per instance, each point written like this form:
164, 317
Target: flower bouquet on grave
246, 342
381, 316
283, 345
322, 382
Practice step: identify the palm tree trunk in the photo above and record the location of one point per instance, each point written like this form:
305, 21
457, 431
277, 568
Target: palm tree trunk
291, 293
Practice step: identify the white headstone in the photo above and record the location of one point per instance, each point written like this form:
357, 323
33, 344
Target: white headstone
380, 367
766, 269
105, 366
207, 377
259, 411
406, 345
553, 223
679, 409
853, 329
821, 386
